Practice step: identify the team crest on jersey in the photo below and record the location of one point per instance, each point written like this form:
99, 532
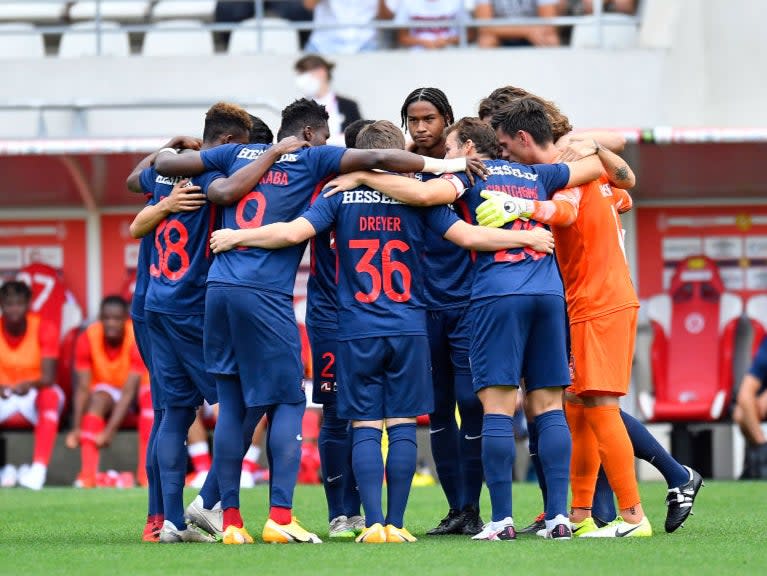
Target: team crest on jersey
606, 190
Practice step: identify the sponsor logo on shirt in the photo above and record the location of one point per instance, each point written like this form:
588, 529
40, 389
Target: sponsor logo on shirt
250, 154
507, 170
367, 197
169, 180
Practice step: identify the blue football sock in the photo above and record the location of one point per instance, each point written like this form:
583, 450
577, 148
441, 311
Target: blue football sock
554, 450
647, 448
152, 469
227, 443
400, 468
335, 459
498, 453
445, 449
367, 462
471, 440
209, 492
532, 445
284, 440
603, 505
172, 461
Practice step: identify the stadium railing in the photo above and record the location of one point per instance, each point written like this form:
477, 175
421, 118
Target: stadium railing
599, 20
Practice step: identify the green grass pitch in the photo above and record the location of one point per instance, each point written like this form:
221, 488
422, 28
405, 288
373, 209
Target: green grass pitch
67, 531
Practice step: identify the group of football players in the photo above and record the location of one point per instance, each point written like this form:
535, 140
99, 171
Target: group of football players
434, 284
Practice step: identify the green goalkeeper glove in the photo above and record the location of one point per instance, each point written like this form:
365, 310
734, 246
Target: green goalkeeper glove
499, 209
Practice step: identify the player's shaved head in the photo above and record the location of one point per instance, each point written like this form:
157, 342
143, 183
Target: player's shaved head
381, 134
480, 133
260, 133
500, 97
353, 130
224, 118
301, 114
527, 115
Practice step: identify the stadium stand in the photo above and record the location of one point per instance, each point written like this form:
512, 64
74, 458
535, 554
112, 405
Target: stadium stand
20, 38
616, 32
189, 37
244, 40
75, 42
126, 11
40, 12
192, 9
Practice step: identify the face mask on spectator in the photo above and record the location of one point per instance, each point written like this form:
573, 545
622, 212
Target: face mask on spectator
308, 84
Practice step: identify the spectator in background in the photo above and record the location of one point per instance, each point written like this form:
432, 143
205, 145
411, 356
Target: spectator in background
578, 7
492, 37
29, 349
313, 80
751, 411
442, 34
357, 38
108, 370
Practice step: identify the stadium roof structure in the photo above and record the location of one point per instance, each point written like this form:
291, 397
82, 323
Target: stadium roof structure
670, 163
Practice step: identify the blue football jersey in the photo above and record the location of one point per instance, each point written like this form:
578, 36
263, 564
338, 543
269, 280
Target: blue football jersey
379, 243
144, 256
180, 256
448, 268
759, 365
321, 299
283, 194
520, 270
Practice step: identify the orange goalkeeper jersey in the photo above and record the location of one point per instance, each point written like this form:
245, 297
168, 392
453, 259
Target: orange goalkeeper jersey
589, 247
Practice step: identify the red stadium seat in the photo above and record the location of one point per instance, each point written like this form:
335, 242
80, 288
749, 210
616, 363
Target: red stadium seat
693, 344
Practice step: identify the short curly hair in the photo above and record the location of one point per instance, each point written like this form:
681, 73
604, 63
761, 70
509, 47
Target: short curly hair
226, 118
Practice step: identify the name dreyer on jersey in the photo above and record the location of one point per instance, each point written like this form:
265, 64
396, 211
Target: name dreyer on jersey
367, 197
251, 154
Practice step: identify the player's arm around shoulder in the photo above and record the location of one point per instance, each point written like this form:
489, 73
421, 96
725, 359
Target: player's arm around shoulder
614, 141
228, 190
402, 188
484, 239
183, 198
584, 170
271, 236
618, 171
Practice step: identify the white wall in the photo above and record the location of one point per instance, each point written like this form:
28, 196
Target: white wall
579, 80
712, 74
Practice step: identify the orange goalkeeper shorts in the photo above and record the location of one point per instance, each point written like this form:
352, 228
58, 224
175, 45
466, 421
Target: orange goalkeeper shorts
602, 350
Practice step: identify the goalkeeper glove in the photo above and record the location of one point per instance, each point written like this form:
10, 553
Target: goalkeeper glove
499, 209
